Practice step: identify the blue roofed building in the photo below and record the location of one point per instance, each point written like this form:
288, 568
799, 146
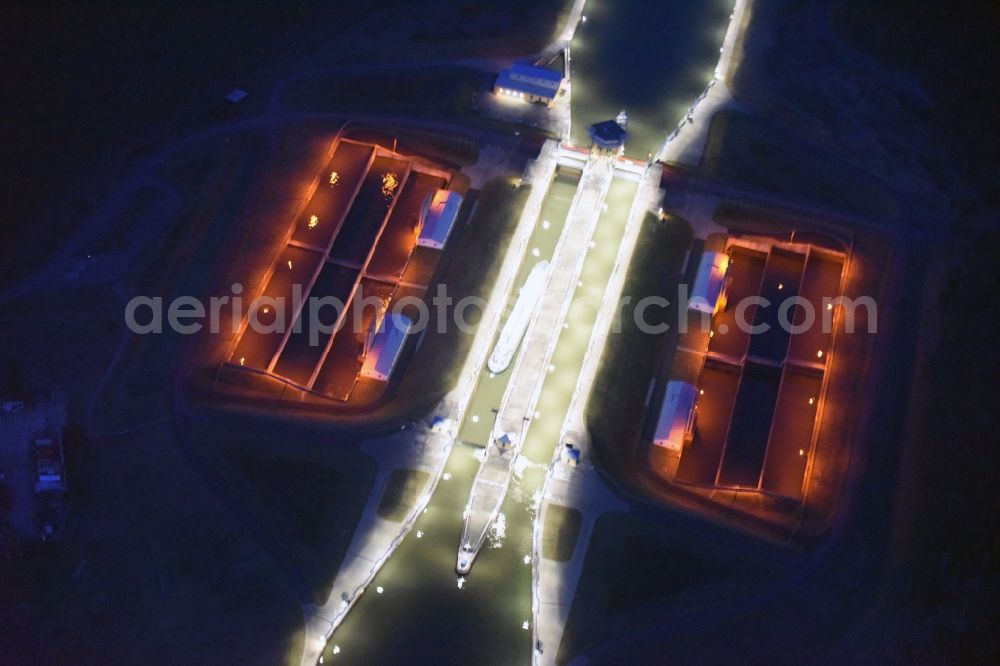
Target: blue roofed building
709, 292
439, 214
384, 345
675, 425
608, 137
530, 83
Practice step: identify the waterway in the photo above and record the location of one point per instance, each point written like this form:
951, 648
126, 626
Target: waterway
421, 609
568, 356
651, 59
422, 615
489, 390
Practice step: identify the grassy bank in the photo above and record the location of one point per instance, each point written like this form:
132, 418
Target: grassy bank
615, 411
560, 532
638, 572
306, 491
401, 493
746, 150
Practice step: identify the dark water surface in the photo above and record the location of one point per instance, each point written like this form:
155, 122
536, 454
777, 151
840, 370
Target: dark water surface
651, 58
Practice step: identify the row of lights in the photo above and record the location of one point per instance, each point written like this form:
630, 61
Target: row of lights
511, 93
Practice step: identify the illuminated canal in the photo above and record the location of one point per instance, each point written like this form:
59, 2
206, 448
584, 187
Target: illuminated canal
489, 389
421, 609
421, 615
567, 359
652, 59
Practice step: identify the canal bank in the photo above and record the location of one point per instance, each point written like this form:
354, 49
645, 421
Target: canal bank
532, 365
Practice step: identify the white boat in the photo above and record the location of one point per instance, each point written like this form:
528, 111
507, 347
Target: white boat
517, 323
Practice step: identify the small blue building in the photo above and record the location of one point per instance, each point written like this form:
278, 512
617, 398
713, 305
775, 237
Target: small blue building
530, 83
384, 344
608, 137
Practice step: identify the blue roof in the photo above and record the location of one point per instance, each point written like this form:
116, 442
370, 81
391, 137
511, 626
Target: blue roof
511, 78
440, 212
504, 81
538, 72
674, 415
386, 346
608, 133
708, 283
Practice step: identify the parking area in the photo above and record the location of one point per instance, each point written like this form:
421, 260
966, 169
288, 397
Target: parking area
820, 279
396, 246
791, 432
335, 188
264, 332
